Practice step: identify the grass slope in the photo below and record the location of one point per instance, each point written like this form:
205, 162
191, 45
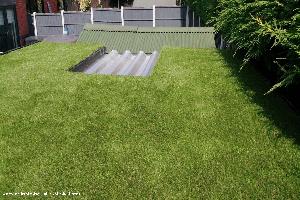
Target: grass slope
194, 129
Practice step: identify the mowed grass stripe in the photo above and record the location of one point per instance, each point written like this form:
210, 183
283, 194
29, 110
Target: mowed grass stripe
194, 129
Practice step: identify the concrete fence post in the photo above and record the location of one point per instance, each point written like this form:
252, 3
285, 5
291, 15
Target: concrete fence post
34, 24
193, 19
199, 21
92, 15
187, 20
63, 20
222, 43
122, 15
154, 16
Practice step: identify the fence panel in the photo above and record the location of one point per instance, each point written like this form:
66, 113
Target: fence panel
171, 16
165, 16
196, 21
49, 24
74, 21
30, 24
193, 20
138, 16
107, 16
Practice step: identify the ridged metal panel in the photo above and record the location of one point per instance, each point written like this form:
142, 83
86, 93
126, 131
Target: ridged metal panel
176, 29
148, 39
139, 64
146, 23
186, 40
112, 28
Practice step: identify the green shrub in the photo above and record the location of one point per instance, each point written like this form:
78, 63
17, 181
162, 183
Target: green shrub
204, 8
264, 29
259, 29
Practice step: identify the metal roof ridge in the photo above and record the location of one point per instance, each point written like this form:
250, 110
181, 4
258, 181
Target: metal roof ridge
118, 28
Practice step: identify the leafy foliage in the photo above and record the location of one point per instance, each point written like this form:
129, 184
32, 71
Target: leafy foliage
259, 29
204, 8
84, 5
264, 29
116, 3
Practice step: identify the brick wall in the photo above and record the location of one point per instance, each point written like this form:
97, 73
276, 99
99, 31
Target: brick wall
22, 16
107, 2
52, 3
94, 3
22, 19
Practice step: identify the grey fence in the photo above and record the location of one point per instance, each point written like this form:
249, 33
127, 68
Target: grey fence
49, 23
107, 16
171, 16
138, 16
73, 22
30, 24
192, 19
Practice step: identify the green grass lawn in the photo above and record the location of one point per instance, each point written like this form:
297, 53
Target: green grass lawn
195, 129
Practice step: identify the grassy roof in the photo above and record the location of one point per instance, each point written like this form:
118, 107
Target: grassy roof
194, 129
147, 39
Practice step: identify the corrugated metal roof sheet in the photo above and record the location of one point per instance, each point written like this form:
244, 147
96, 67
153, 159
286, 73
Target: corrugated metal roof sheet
147, 39
107, 27
127, 63
176, 29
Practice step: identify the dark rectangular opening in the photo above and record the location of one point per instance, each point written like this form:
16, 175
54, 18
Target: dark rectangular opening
8, 28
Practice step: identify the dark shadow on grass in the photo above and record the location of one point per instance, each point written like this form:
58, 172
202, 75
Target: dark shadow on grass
274, 106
